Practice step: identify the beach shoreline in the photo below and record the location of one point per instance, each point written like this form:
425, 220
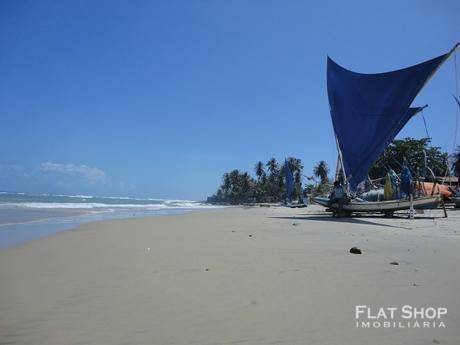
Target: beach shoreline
252, 275
21, 232
24, 216
27, 216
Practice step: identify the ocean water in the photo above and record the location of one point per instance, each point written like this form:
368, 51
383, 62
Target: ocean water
25, 217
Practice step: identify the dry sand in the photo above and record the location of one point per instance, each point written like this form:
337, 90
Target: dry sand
233, 276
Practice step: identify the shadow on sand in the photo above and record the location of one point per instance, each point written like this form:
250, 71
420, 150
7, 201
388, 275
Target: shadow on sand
321, 217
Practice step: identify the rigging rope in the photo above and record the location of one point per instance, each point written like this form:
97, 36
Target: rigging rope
456, 93
426, 128
456, 74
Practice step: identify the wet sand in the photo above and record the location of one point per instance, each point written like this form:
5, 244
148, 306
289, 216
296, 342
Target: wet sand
12, 215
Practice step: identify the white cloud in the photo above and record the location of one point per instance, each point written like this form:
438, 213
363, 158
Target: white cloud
92, 174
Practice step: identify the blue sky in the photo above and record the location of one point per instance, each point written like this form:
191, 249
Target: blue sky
160, 98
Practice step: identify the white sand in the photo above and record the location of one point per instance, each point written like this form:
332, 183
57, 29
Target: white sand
286, 284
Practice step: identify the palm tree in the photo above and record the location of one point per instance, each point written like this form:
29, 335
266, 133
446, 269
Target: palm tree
259, 168
272, 166
226, 183
297, 177
245, 185
321, 171
295, 164
261, 181
275, 179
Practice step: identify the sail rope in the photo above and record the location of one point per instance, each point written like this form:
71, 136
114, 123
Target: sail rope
426, 127
457, 108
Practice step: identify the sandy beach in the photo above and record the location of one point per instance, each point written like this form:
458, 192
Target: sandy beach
233, 276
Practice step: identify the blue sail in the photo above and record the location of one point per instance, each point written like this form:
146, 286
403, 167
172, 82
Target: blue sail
369, 110
411, 112
289, 180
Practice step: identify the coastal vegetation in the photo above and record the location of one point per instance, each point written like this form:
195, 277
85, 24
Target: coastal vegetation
417, 153
455, 158
268, 182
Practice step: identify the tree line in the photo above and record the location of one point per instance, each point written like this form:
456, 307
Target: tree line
268, 185
268, 182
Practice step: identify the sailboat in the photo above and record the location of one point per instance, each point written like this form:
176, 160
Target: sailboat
368, 111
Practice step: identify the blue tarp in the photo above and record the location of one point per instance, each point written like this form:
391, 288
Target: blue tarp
289, 180
406, 180
368, 110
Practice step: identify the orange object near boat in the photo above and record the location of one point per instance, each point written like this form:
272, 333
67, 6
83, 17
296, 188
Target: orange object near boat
427, 189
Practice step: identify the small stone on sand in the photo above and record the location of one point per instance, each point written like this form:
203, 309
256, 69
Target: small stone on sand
395, 263
355, 250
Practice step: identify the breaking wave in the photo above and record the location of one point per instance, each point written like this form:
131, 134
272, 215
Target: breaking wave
88, 202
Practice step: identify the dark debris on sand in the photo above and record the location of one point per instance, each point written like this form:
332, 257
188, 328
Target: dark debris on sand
355, 250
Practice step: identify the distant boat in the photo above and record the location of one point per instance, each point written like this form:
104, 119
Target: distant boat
368, 111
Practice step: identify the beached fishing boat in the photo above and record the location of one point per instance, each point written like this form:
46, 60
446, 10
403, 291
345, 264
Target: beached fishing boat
368, 111
386, 207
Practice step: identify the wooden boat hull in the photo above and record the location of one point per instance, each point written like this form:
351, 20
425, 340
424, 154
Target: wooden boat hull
380, 206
